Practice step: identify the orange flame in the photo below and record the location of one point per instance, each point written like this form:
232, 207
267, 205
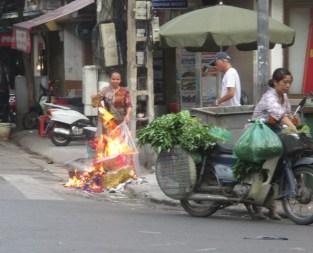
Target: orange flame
111, 152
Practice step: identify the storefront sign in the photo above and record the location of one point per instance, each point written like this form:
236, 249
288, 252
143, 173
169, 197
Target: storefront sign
108, 32
6, 40
169, 4
22, 40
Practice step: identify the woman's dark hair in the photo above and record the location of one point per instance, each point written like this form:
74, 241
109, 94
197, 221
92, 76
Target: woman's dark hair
279, 74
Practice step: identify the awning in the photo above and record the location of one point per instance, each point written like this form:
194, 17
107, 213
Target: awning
22, 30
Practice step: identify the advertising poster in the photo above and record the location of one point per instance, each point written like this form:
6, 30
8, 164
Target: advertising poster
208, 80
196, 79
159, 96
187, 79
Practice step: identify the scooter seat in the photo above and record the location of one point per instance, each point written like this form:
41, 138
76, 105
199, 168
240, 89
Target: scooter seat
225, 148
90, 132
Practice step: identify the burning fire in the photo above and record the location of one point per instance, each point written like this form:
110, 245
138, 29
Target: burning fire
113, 162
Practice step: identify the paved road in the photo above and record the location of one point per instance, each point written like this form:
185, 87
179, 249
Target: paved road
39, 215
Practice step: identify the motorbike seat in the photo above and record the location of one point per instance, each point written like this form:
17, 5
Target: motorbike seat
224, 148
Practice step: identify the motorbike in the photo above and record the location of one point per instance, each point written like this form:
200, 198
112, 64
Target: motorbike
8, 110
66, 124
205, 188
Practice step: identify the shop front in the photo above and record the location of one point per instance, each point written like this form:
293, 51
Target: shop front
187, 86
185, 83
57, 47
10, 66
299, 15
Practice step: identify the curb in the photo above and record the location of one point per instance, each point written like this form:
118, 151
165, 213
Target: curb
133, 193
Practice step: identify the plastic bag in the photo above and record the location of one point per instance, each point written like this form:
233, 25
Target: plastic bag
119, 156
258, 143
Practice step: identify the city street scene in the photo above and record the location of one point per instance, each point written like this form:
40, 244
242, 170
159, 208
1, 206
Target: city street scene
156, 126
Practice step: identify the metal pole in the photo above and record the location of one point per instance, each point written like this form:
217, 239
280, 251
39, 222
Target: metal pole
263, 49
131, 61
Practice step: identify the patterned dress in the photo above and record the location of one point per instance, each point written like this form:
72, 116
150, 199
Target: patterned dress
116, 101
272, 105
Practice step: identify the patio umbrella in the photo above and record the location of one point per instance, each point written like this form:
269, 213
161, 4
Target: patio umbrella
220, 26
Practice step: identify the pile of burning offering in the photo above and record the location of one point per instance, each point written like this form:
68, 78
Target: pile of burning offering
114, 161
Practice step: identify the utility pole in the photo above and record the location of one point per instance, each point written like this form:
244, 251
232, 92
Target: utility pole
104, 11
263, 49
131, 61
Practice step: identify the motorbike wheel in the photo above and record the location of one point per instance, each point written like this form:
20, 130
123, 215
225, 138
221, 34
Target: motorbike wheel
299, 208
30, 120
199, 208
59, 139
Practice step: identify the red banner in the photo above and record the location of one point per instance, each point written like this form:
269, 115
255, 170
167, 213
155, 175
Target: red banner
308, 67
6, 40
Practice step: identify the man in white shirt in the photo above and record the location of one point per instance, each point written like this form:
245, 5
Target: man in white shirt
231, 88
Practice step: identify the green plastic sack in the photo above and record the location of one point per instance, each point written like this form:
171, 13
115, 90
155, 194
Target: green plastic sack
220, 134
258, 143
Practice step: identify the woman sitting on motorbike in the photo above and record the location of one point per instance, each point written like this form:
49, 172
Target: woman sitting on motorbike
274, 107
275, 110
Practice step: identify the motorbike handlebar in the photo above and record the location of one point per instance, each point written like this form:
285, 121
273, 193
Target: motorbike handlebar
300, 105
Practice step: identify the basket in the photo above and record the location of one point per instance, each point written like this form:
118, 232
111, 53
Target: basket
176, 173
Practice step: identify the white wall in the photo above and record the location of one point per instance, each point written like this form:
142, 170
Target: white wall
276, 54
73, 55
299, 20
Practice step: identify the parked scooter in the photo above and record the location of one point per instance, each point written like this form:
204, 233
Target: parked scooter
8, 110
207, 188
66, 124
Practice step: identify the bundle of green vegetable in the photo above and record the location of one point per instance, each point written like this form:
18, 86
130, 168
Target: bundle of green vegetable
181, 129
242, 169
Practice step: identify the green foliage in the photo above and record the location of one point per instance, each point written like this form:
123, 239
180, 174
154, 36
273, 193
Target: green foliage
182, 129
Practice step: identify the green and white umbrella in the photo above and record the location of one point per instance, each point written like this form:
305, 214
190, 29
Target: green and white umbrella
221, 26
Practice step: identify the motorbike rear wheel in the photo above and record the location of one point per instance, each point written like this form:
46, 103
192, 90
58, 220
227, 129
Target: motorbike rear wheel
299, 208
199, 208
30, 120
60, 139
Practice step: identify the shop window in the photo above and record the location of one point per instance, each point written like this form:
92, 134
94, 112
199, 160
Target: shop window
31, 5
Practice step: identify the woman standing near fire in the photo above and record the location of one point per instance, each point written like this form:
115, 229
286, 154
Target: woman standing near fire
116, 99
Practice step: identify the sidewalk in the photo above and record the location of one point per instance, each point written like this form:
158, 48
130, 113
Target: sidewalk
59, 156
